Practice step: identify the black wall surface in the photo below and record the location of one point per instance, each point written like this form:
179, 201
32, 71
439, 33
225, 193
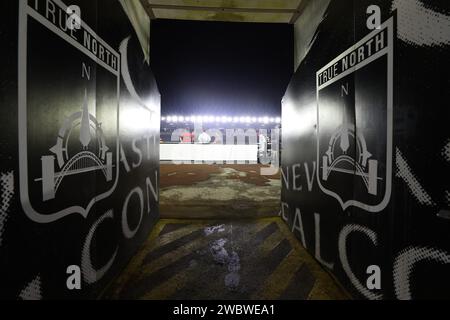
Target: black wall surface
366, 148
79, 147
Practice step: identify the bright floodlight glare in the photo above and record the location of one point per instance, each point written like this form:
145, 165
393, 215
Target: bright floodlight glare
217, 119
235, 119
272, 120
229, 119
223, 119
175, 119
278, 120
163, 118
248, 119
180, 118
266, 119
135, 119
169, 119
254, 119
204, 118
211, 119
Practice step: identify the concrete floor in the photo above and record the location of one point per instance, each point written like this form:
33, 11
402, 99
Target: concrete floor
223, 259
213, 191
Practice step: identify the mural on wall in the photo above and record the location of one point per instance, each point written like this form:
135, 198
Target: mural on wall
345, 144
364, 140
81, 152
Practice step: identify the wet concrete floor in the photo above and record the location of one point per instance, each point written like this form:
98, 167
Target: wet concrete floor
223, 259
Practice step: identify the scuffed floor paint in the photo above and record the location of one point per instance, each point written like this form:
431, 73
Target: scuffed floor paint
197, 191
248, 259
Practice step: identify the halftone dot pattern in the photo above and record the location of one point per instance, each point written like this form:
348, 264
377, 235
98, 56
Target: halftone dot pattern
342, 245
404, 265
404, 172
91, 275
7, 189
446, 151
32, 290
420, 25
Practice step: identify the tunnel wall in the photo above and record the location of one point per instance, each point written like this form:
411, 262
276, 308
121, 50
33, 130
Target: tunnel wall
365, 149
79, 148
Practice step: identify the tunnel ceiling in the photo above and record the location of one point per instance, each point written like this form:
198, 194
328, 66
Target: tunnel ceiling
270, 11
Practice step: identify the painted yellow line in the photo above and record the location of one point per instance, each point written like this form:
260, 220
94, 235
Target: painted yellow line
325, 286
137, 271
134, 263
172, 236
169, 287
274, 286
190, 247
271, 242
173, 256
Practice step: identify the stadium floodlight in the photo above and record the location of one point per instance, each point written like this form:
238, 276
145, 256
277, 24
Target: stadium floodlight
163, 118
278, 120
272, 120
248, 119
235, 119
169, 119
210, 118
174, 118
217, 119
223, 119
180, 118
266, 119
254, 119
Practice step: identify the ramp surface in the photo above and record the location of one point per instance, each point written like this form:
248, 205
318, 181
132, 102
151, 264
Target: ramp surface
242, 259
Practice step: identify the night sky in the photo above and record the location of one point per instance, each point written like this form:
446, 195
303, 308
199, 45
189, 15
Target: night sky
217, 68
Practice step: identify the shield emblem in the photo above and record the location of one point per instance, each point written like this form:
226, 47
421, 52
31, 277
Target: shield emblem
68, 115
354, 122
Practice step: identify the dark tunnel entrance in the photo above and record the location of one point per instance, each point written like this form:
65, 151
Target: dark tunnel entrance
189, 150
221, 86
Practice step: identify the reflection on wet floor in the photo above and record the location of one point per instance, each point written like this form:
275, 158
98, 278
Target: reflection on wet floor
242, 259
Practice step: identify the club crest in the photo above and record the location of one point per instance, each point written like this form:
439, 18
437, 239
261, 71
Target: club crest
354, 155
68, 135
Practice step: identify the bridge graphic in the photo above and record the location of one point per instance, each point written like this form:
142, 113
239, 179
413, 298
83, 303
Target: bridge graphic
363, 167
83, 161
